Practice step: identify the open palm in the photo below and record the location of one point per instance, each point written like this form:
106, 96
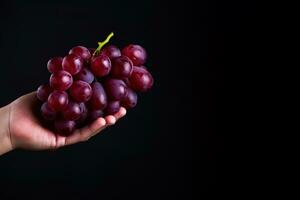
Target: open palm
26, 130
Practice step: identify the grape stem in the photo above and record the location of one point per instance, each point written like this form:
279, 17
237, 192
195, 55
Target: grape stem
101, 44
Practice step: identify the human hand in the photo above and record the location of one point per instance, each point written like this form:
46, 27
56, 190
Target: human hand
21, 127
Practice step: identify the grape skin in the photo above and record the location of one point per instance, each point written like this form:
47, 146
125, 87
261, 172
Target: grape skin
135, 53
140, 80
43, 92
115, 89
72, 64
58, 100
99, 97
81, 91
61, 80
54, 64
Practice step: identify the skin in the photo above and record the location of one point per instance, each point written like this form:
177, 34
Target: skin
21, 128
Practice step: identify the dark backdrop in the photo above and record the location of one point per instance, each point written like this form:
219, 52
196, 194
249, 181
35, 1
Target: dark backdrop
152, 152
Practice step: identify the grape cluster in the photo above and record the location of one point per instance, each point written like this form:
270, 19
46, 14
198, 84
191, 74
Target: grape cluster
90, 83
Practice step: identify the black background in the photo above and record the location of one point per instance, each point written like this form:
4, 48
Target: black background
172, 141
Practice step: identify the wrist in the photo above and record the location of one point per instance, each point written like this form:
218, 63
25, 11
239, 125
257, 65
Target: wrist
5, 139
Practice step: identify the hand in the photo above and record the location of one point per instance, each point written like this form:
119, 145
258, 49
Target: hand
25, 130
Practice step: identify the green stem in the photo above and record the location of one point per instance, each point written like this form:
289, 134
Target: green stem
101, 44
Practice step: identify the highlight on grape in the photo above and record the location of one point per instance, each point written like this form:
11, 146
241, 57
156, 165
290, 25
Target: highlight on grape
89, 83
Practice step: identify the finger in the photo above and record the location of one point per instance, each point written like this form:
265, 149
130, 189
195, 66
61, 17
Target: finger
86, 132
110, 120
60, 141
122, 112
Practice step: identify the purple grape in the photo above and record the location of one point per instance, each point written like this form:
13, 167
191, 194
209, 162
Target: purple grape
95, 114
111, 51
81, 91
121, 67
54, 64
61, 80
101, 65
58, 100
112, 107
43, 92
130, 100
85, 75
115, 89
84, 114
47, 112
135, 53
72, 64
72, 111
99, 98
140, 80
64, 127
82, 52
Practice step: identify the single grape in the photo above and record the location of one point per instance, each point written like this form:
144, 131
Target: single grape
72, 64
54, 64
84, 114
61, 80
43, 92
95, 114
135, 53
111, 51
115, 89
64, 127
82, 52
140, 80
101, 65
85, 75
72, 111
130, 100
81, 91
112, 107
121, 67
58, 100
47, 112
99, 98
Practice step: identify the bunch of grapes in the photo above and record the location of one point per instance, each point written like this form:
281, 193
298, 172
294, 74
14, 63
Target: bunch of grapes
90, 83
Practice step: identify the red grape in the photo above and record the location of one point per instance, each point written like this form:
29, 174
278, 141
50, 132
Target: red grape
85, 75
140, 80
115, 89
55, 64
72, 64
72, 111
130, 100
101, 65
64, 127
61, 80
47, 112
135, 53
43, 92
81, 91
99, 98
112, 107
84, 114
111, 51
121, 67
82, 52
95, 114
58, 100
